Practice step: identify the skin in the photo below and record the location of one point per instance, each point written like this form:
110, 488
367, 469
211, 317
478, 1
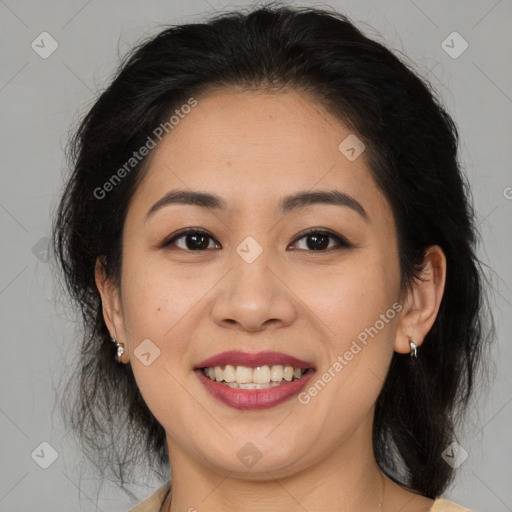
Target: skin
253, 148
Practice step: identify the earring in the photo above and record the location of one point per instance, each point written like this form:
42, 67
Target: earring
120, 349
414, 348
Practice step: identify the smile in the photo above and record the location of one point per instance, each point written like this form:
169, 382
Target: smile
261, 377
244, 380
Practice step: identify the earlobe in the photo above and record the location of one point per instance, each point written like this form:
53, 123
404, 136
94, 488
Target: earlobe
109, 299
423, 301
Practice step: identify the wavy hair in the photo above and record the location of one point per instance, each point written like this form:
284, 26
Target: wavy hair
412, 146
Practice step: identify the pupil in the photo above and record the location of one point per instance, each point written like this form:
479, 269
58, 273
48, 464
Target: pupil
194, 246
197, 242
320, 242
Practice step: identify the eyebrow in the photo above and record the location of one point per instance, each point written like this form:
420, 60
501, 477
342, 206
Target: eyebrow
286, 205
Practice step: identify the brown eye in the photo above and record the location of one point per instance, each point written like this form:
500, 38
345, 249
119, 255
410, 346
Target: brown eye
321, 241
192, 240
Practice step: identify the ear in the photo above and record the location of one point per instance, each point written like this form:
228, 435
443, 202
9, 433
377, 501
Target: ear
422, 302
111, 303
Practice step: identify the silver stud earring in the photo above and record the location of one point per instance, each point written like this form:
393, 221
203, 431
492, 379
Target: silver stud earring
414, 348
120, 349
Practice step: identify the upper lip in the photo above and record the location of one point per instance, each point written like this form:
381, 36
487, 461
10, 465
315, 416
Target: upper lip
235, 357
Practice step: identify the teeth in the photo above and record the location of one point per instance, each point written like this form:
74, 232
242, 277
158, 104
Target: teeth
219, 374
229, 373
288, 373
261, 377
243, 374
253, 386
276, 373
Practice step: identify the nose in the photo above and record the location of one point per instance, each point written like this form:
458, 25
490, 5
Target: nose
254, 297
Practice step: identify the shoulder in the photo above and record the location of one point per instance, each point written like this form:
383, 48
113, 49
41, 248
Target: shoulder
442, 505
154, 502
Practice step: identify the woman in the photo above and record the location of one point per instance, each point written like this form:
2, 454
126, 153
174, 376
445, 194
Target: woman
271, 242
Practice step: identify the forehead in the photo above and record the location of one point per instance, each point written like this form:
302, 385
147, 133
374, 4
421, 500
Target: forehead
253, 147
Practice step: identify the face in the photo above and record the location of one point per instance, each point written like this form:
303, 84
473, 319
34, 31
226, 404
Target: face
309, 279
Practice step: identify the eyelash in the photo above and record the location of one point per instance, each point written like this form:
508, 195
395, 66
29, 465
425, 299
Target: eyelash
342, 242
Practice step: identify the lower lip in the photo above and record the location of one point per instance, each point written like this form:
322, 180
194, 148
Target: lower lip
254, 398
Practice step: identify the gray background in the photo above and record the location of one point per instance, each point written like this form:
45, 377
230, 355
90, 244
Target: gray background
41, 99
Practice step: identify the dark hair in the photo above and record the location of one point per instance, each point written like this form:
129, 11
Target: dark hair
411, 143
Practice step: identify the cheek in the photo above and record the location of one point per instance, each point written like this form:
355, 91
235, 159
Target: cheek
357, 308
159, 307
358, 346
156, 298
353, 297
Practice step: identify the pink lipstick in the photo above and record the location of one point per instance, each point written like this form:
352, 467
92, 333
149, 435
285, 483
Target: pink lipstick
254, 399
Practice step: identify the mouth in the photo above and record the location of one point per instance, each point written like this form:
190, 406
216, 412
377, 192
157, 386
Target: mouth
261, 377
253, 381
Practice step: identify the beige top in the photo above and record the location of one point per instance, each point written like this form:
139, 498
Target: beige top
155, 501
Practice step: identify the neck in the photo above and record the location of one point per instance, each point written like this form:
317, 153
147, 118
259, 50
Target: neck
345, 480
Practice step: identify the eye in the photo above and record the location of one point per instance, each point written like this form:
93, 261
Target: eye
191, 239
320, 240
